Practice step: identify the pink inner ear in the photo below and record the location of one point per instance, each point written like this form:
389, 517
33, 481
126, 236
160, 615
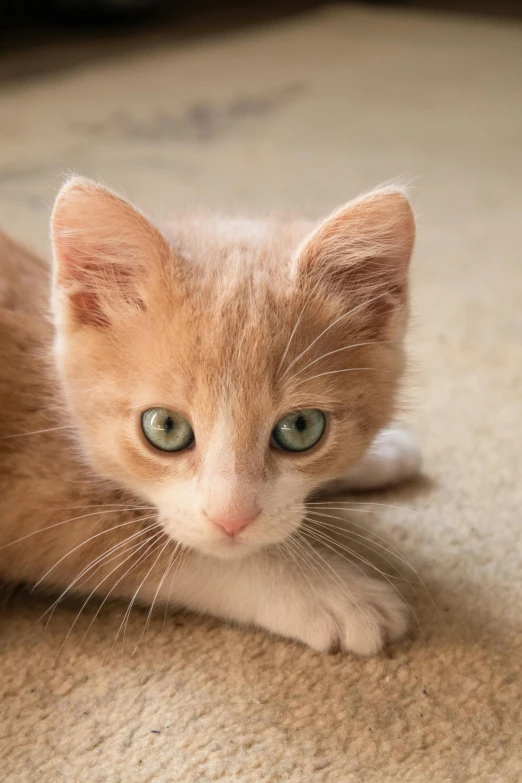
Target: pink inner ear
361, 254
91, 285
103, 250
369, 241
379, 226
86, 310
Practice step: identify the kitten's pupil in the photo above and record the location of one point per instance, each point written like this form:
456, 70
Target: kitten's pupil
166, 430
300, 424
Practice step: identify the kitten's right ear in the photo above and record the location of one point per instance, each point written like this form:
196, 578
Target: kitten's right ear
361, 253
104, 253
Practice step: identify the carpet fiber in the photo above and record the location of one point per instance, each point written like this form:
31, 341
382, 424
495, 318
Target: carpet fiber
302, 115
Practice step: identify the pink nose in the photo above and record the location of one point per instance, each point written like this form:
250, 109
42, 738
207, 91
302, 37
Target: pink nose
232, 525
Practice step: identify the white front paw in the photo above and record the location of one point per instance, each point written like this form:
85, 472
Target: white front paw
357, 615
393, 457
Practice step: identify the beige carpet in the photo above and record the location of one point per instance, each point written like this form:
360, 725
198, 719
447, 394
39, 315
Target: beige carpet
302, 115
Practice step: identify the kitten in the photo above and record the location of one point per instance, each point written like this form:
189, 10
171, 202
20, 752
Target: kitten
206, 380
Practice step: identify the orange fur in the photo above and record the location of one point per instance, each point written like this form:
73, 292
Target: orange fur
233, 323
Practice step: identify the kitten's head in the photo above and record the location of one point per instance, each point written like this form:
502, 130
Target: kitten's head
225, 369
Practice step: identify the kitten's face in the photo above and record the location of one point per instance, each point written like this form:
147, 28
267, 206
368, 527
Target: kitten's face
225, 374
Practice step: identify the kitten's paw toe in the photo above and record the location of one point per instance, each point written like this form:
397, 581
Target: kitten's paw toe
365, 626
345, 610
383, 617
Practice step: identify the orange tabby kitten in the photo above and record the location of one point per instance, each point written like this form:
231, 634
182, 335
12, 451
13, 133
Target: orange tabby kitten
205, 380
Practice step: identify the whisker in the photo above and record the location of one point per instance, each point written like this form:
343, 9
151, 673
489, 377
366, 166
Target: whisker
87, 391
179, 559
171, 563
333, 372
345, 548
338, 350
392, 550
389, 547
324, 538
151, 545
322, 562
133, 549
102, 560
85, 570
308, 533
359, 503
340, 503
337, 320
91, 538
358, 538
294, 556
117, 506
358, 510
63, 522
294, 330
149, 615
320, 511
349, 533
125, 620
37, 432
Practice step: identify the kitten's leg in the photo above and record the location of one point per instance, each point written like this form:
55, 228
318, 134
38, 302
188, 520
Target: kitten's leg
308, 594
393, 457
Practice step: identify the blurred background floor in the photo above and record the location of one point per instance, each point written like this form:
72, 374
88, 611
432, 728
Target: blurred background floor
57, 34
300, 111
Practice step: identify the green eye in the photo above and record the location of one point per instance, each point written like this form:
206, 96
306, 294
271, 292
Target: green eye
300, 430
166, 429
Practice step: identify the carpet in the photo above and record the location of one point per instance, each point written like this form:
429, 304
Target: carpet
301, 115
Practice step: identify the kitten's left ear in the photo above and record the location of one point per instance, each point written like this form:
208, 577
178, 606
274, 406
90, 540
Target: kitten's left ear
362, 254
104, 251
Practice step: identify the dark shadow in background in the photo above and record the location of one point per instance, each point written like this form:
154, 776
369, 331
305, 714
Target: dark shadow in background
38, 37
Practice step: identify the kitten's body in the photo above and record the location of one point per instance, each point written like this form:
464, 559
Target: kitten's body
227, 304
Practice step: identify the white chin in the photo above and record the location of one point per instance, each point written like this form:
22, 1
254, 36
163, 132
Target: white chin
224, 549
228, 550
